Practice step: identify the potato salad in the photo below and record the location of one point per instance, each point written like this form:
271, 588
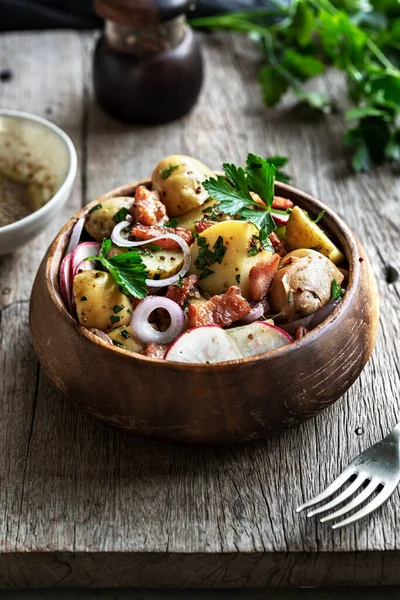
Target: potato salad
201, 267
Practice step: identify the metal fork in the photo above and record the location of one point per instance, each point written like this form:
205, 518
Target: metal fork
377, 468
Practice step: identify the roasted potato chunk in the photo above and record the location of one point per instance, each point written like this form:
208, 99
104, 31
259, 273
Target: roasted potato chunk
100, 222
178, 179
99, 302
301, 232
235, 265
124, 338
302, 284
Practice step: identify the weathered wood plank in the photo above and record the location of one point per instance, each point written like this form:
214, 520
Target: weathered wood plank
223, 516
47, 80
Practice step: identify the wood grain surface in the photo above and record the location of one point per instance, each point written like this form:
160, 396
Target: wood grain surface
83, 505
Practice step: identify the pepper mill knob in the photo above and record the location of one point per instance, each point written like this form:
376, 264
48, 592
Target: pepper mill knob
147, 67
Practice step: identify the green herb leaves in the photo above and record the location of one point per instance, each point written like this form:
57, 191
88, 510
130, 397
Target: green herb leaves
232, 193
172, 223
165, 173
300, 39
121, 215
337, 291
206, 257
127, 269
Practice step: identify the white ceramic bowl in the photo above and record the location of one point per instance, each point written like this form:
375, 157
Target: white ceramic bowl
37, 148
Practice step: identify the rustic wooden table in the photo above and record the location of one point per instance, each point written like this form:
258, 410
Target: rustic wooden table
82, 505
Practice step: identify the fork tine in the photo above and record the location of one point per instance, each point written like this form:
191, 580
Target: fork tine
371, 506
331, 489
353, 487
371, 487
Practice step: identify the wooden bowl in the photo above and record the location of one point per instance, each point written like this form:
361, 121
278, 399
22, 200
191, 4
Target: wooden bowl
222, 403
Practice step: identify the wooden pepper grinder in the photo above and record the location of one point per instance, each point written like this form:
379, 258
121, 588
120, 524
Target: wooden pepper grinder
147, 66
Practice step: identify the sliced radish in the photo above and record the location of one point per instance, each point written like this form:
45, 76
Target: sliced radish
82, 252
258, 337
66, 280
280, 219
207, 344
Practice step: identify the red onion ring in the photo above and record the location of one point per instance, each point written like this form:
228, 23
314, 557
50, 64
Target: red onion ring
82, 251
291, 326
76, 235
85, 265
118, 240
256, 312
102, 335
323, 313
142, 329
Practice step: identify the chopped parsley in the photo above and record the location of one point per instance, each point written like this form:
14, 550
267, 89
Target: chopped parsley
114, 319
153, 247
84, 298
186, 304
179, 283
96, 207
127, 269
117, 343
290, 296
253, 251
237, 277
206, 257
125, 334
205, 274
337, 291
321, 214
121, 214
117, 308
165, 173
172, 223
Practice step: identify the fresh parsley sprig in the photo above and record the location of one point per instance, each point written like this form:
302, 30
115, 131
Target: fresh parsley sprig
299, 39
127, 269
232, 193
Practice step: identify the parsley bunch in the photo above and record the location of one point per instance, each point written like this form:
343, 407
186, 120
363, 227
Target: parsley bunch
232, 193
127, 269
359, 37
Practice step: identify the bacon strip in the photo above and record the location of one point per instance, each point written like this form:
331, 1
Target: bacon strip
261, 275
148, 208
155, 350
222, 309
146, 232
278, 203
279, 246
202, 225
180, 294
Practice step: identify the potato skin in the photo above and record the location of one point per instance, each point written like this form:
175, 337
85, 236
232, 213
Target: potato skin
302, 284
100, 223
103, 294
235, 266
182, 190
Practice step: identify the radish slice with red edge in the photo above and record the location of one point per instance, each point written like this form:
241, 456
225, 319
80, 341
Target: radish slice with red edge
82, 252
120, 241
280, 219
76, 235
66, 281
258, 337
143, 330
203, 345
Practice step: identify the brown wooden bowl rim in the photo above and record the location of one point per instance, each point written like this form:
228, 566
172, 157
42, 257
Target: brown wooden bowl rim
341, 230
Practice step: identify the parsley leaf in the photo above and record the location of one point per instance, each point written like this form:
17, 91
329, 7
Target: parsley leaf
261, 177
165, 173
279, 162
337, 291
233, 193
172, 223
95, 207
121, 214
127, 269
